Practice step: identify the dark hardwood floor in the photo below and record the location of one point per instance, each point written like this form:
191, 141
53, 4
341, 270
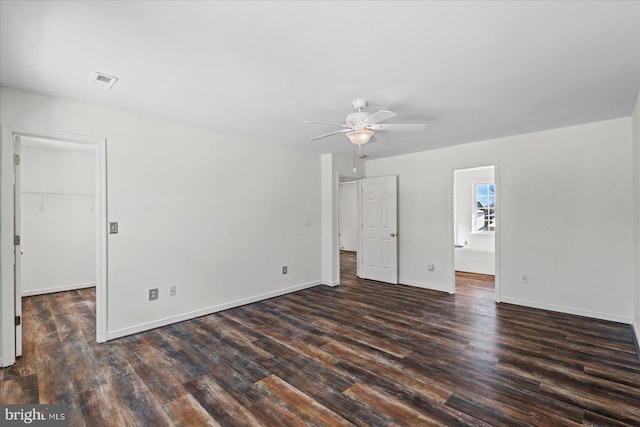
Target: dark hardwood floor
364, 353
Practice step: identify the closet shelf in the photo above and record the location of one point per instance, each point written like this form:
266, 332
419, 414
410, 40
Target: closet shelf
61, 193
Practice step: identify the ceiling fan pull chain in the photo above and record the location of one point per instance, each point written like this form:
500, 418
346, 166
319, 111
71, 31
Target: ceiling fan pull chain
354, 158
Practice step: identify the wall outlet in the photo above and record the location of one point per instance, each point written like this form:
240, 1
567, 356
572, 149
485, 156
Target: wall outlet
153, 294
284, 269
430, 266
525, 278
172, 290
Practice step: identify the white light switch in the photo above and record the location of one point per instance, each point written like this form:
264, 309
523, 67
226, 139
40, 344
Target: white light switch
307, 222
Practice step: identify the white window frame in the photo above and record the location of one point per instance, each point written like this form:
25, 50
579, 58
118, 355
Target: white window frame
474, 205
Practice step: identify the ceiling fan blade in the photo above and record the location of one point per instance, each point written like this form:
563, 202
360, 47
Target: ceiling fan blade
379, 116
325, 123
397, 126
331, 133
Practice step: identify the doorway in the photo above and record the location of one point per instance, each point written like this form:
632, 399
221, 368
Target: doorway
39, 207
348, 230
475, 228
57, 216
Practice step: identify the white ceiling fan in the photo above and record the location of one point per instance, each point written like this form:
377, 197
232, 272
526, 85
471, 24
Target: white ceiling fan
360, 126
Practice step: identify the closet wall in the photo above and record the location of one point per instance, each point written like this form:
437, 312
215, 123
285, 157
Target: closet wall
58, 216
348, 215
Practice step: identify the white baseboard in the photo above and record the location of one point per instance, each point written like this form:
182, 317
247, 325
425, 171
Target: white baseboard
636, 329
54, 289
425, 285
331, 283
568, 310
203, 312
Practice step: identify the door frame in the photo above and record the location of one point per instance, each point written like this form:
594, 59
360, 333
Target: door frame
17, 248
7, 276
497, 233
355, 177
356, 183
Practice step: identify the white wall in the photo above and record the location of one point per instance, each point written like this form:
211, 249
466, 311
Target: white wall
475, 261
214, 214
635, 160
464, 187
58, 232
577, 252
348, 216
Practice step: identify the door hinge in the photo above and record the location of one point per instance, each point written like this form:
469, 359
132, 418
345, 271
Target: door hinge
18, 320
16, 240
16, 159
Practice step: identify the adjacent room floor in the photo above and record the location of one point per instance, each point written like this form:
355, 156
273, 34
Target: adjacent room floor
364, 353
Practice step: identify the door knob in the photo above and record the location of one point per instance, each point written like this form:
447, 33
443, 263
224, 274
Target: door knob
393, 234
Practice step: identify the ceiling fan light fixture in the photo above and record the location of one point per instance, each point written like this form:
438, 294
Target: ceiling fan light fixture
359, 137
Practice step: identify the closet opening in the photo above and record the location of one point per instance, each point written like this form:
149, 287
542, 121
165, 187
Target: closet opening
54, 237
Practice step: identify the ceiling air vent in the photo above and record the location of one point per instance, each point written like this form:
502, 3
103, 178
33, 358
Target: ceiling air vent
103, 80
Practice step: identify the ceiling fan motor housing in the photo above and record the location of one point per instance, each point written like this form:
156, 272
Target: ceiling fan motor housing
359, 104
356, 118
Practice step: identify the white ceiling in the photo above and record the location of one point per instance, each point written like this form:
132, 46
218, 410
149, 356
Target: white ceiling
469, 70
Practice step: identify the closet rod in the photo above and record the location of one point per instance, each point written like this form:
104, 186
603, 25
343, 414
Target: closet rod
52, 193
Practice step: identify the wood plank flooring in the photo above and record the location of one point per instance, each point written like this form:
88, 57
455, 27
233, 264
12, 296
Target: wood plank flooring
364, 353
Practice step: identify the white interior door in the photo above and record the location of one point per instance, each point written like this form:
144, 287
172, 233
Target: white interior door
379, 222
17, 247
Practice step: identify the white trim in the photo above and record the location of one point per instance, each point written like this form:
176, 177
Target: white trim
497, 233
101, 240
452, 229
332, 284
475, 249
55, 289
424, 285
205, 311
6, 248
568, 310
359, 226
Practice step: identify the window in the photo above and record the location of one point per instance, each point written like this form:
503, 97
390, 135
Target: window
484, 211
